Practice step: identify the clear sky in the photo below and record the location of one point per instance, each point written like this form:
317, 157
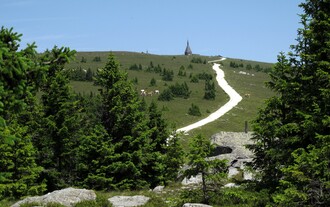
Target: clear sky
245, 29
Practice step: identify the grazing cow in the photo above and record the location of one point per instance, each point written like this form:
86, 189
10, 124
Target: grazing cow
156, 91
247, 95
143, 92
150, 93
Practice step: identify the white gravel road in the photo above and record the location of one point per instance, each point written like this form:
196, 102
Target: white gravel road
235, 98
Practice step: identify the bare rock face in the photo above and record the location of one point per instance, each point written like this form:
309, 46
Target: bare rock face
67, 197
236, 141
234, 150
128, 201
229, 146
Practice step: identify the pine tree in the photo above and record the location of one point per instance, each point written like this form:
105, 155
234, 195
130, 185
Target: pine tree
159, 129
19, 173
213, 172
89, 75
126, 125
156, 148
20, 77
95, 155
209, 90
174, 158
59, 128
292, 131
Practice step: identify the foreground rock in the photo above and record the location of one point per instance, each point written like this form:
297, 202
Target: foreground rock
229, 146
231, 185
193, 180
66, 197
235, 141
128, 201
232, 148
195, 205
158, 189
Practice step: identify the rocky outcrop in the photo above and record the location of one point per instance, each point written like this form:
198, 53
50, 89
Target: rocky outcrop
234, 150
229, 146
128, 201
66, 197
236, 142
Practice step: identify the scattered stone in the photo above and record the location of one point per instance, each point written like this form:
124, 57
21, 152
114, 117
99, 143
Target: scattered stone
128, 201
158, 189
248, 175
232, 171
195, 205
192, 180
66, 197
230, 185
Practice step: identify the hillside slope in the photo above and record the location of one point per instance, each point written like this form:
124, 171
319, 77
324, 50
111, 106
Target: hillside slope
244, 76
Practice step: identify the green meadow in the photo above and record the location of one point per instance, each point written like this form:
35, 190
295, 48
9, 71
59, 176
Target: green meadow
176, 111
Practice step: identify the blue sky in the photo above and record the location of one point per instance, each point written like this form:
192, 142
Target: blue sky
245, 29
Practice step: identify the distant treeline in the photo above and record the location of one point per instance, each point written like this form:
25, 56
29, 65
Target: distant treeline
178, 90
248, 66
80, 74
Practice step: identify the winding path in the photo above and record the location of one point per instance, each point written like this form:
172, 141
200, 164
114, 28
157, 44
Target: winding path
235, 98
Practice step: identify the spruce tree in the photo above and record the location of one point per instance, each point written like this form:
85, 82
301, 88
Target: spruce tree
126, 126
59, 126
292, 131
89, 75
213, 172
158, 128
95, 156
20, 77
209, 93
174, 158
154, 170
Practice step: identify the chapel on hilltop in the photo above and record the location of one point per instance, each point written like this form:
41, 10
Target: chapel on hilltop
188, 50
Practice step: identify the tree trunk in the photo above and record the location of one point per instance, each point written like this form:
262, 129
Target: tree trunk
206, 200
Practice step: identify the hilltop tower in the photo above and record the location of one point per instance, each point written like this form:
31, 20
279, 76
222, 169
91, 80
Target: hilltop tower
188, 50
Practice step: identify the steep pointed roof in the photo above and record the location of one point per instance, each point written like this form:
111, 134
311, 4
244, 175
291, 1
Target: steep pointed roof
188, 50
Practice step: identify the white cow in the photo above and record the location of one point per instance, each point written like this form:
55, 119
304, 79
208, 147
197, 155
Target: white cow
143, 92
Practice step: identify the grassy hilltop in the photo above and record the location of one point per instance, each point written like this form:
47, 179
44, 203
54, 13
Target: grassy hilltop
175, 111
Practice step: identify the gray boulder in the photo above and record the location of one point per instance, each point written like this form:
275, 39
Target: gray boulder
239, 155
236, 141
195, 205
67, 197
232, 171
128, 201
248, 175
231, 147
158, 189
230, 185
193, 180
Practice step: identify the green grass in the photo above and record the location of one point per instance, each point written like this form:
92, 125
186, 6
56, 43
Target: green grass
176, 111
172, 196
